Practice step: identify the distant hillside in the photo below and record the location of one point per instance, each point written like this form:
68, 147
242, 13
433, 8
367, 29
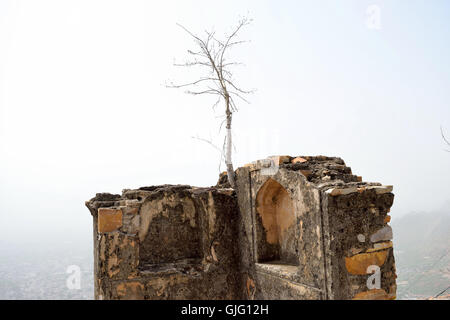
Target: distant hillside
422, 254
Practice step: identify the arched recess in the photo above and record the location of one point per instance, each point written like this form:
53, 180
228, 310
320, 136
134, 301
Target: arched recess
276, 227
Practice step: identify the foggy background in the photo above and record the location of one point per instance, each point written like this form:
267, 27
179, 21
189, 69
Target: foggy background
84, 109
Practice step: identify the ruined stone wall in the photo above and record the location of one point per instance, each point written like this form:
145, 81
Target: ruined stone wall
301, 275
360, 237
338, 229
297, 228
165, 242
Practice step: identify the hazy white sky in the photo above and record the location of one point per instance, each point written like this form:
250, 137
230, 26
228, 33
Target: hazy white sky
83, 108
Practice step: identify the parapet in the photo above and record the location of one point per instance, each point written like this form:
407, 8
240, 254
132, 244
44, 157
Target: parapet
165, 242
295, 228
315, 227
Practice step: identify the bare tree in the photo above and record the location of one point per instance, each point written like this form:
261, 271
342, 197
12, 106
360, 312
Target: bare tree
211, 56
445, 140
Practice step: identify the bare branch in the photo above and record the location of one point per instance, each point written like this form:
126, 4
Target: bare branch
233, 64
188, 84
191, 34
233, 105
239, 96
237, 89
242, 23
211, 144
217, 102
192, 63
221, 124
199, 53
209, 90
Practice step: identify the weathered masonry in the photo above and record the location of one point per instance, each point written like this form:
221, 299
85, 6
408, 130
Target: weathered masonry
297, 228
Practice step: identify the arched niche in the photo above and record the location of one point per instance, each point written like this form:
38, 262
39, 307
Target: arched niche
276, 227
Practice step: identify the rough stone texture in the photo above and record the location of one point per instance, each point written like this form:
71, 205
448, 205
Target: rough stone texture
333, 210
297, 228
109, 219
305, 239
383, 234
358, 263
176, 242
374, 294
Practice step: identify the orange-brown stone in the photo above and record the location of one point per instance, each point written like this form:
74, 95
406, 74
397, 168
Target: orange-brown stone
298, 160
306, 173
374, 294
359, 263
109, 219
387, 219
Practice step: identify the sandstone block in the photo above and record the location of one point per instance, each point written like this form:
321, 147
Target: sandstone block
382, 189
359, 263
382, 234
374, 294
109, 219
341, 192
298, 160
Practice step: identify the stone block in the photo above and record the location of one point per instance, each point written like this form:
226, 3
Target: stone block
374, 294
382, 234
381, 189
342, 191
298, 160
109, 219
359, 263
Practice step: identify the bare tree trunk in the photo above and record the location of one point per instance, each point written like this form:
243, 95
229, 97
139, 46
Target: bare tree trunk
229, 146
217, 81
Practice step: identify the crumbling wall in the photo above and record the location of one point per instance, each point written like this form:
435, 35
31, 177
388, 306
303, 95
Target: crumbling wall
166, 242
360, 240
341, 237
297, 228
301, 276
